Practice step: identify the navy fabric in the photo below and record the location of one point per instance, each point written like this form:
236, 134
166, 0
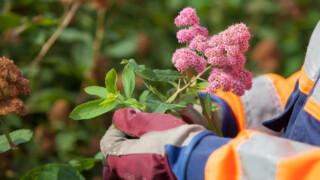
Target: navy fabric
281, 121
200, 155
188, 162
305, 129
295, 122
302, 126
229, 123
178, 157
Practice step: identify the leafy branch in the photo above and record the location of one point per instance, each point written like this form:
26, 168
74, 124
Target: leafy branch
151, 99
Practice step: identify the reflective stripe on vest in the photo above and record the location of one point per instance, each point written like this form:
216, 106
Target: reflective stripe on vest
260, 155
261, 103
252, 155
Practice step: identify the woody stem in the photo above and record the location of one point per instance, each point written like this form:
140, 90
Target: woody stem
7, 134
193, 80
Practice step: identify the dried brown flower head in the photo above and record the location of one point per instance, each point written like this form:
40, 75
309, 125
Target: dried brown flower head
14, 105
12, 85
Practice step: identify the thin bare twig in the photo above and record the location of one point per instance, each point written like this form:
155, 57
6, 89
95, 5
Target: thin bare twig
99, 34
65, 22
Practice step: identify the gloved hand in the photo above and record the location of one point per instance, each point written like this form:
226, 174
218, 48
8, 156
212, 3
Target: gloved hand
135, 145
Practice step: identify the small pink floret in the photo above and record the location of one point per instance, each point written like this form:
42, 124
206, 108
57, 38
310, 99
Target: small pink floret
199, 43
230, 79
187, 17
185, 58
187, 35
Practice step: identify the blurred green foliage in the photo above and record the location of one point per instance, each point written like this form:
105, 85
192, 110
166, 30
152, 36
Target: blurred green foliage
138, 29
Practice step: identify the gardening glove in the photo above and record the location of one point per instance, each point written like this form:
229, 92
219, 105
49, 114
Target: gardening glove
149, 145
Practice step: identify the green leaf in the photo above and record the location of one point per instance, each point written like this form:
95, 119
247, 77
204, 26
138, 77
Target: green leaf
154, 75
83, 164
144, 96
9, 20
163, 107
111, 98
188, 98
53, 172
18, 137
99, 156
206, 105
131, 102
91, 109
155, 92
160, 107
128, 80
96, 91
201, 85
111, 81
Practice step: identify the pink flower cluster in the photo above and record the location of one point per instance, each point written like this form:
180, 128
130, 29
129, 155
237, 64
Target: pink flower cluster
229, 79
185, 58
227, 47
188, 17
224, 52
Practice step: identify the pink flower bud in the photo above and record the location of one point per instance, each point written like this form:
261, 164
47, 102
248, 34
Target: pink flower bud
187, 17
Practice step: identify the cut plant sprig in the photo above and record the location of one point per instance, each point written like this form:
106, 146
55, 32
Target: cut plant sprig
193, 80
